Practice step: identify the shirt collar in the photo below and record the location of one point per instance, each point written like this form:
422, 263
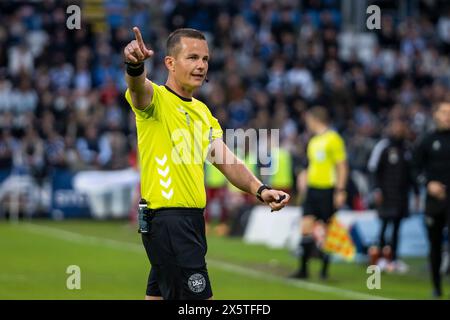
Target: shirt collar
181, 97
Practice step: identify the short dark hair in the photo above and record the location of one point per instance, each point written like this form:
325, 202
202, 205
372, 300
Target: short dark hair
320, 113
174, 39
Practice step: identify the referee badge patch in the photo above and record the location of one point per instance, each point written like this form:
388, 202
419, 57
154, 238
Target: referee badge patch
197, 283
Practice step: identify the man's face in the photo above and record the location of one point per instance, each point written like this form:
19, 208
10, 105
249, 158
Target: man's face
190, 64
310, 122
397, 129
442, 116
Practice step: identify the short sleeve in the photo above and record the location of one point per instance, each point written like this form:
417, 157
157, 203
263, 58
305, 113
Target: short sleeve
338, 149
147, 112
217, 131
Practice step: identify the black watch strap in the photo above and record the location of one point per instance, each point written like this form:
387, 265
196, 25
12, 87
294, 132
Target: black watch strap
260, 190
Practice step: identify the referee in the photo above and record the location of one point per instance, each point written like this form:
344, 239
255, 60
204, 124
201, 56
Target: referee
432, 159
176, 133
323, 183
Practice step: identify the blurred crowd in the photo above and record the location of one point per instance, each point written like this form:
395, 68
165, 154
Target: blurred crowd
61, 90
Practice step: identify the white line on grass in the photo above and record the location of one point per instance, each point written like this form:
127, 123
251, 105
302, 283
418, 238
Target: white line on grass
226, 266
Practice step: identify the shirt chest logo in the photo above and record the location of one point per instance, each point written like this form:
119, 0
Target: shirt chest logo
436, 145
186, 114
393, 156
320, 155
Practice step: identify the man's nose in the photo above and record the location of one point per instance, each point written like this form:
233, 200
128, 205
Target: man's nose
202, 65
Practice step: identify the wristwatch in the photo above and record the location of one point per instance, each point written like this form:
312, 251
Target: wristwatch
260, 190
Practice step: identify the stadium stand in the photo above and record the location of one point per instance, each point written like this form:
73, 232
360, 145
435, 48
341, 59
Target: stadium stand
62, 107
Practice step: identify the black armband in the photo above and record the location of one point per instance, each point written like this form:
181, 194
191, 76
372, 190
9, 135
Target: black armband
134, 69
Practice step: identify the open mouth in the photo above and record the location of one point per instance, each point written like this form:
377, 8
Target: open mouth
198, 76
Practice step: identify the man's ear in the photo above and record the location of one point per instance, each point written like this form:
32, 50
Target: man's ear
170, 62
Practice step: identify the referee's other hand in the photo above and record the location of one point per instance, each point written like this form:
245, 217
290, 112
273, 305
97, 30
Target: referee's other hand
136, 51
276, 199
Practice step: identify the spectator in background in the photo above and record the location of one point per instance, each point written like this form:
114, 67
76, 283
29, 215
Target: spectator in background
24, 99
82, 77
443, 29
55, 150
119, 151
7, 148
61, 73
73, 158
21, 60
29, 157
115, 11
54, 145
299, 78
5, 94
94, 150
390, 166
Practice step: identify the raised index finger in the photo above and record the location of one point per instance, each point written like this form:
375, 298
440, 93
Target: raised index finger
137, 34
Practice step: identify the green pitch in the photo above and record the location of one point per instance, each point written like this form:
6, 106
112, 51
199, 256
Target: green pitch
34, 258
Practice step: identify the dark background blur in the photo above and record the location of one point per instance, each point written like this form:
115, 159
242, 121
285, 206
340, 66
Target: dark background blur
62, 106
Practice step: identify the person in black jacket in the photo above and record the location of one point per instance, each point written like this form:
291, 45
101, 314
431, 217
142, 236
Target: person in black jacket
391, 167
432, 164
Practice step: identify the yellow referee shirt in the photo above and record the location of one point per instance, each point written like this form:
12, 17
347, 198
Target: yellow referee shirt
174, 135
324, 152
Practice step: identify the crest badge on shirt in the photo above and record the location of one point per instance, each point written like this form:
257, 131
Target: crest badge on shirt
393, 156
436, 145
320, 155
188, 118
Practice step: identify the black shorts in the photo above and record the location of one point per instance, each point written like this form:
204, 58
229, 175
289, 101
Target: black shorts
319, 203
176, 247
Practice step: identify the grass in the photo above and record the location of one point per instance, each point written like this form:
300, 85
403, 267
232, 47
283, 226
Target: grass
34, 258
